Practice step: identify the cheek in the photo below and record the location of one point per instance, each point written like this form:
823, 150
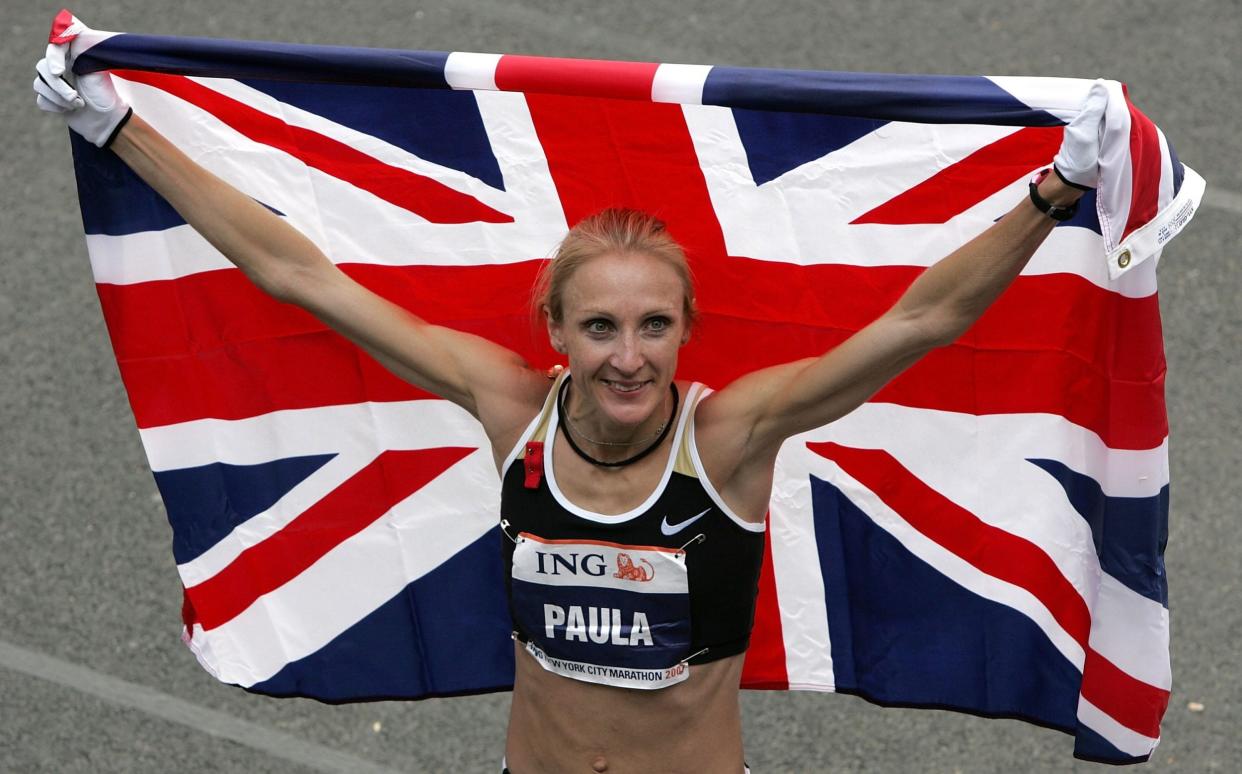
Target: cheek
666, 350
585, 351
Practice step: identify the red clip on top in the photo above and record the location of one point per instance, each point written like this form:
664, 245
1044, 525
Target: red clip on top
534, 464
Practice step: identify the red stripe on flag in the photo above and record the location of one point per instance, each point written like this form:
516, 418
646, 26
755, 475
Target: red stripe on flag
612, 153
416, 193
1145, 169
1051, 344
953, 190
212, 345
764, 666
582, 77
346, 511
1135, 704
1132, 703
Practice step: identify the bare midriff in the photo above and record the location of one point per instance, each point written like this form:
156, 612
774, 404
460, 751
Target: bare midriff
557, 724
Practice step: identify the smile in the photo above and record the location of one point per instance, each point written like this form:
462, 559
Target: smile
624, 386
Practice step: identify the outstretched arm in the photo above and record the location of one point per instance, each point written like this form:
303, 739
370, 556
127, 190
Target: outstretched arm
946, 299
284, 263
491, 382
768, 406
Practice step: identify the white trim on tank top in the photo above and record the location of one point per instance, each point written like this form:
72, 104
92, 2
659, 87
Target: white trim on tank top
534, 424
636, 511
707, 483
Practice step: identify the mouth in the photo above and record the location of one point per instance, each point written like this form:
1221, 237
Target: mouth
624, 386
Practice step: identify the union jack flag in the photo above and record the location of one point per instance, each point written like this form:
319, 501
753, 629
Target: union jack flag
985, 534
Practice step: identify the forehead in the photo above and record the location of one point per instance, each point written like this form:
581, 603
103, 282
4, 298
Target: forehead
623, 283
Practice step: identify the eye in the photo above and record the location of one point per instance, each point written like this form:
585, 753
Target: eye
597, 327
658, 324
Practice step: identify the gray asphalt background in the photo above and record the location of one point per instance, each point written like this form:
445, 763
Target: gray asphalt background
86, 574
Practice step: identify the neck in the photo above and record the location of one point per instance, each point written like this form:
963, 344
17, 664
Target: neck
585, 423
609, 447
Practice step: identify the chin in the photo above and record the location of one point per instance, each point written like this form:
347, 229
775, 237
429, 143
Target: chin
630, 407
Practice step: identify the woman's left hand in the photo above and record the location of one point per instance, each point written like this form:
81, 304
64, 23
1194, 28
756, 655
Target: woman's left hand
1079, 157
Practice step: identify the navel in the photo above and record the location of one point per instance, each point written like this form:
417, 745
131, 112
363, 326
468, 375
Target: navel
600, 764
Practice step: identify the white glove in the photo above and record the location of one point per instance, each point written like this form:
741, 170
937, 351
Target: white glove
1078, 160
93, 109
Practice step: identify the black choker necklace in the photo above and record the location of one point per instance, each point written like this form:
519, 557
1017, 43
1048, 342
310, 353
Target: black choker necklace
560, 407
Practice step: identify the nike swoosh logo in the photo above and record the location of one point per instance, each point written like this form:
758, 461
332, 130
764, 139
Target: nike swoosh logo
673, 529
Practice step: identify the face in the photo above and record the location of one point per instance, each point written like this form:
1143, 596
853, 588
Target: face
622, 324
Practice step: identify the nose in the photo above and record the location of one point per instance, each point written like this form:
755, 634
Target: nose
627, 358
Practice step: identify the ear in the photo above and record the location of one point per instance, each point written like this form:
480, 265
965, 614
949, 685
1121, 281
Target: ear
555, 331
687, 321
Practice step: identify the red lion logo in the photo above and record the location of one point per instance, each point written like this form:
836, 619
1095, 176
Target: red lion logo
627, 570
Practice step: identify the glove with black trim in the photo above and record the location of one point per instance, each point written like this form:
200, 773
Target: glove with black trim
89, 103
1077, 163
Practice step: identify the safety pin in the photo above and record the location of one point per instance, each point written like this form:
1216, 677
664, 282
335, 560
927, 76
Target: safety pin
504, 527
699, 538
686, 660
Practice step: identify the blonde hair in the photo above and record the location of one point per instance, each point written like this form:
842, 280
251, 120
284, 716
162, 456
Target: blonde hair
614, 230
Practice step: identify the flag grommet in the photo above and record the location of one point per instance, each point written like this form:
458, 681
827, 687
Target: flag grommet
1123, 260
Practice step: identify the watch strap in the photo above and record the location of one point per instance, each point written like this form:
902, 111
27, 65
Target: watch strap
1054, 211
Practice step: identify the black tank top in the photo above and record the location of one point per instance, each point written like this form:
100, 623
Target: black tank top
628, 599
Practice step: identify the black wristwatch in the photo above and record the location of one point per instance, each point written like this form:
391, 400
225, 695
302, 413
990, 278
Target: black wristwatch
1056, 212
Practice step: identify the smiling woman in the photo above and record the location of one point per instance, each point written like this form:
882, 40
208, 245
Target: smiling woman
608, 585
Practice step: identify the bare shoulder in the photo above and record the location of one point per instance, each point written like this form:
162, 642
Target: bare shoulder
739, 464
730, 416
505, 406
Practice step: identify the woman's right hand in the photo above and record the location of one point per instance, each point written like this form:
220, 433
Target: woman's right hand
488, 380
89, 103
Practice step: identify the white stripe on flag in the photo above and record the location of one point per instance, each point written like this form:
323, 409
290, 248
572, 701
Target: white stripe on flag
936, 443
350, 581
88, 39
466, 70
679, 83
147, 256
373, 146
1062, 97
949, 564
1132, 631
799, 579
1166, 171
359, 226
1116, 174
413, 424
179, 251
808, 210
1129, 742
269, 522
422, 424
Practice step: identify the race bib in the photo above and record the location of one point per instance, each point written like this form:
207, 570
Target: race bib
603, 612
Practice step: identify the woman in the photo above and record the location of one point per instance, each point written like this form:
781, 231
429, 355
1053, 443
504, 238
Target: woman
634, 503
